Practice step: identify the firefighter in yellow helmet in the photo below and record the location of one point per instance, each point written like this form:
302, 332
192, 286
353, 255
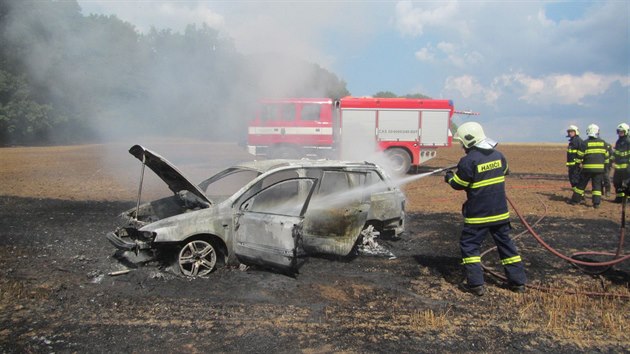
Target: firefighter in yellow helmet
621, 161
572, 149
593, 157
481, 173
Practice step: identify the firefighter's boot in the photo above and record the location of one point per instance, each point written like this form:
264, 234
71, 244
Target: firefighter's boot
478, 290
576, 199
517, 288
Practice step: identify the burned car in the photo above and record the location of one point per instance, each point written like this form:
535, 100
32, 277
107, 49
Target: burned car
272, 213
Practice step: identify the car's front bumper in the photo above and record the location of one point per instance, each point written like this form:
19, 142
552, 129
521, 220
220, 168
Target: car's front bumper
127, 243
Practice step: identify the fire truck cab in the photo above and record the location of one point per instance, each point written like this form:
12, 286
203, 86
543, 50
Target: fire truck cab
407, 131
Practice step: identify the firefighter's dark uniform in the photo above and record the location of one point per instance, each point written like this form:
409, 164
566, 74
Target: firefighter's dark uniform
574, 168
592, 155
607, 166
621, 163
481, 173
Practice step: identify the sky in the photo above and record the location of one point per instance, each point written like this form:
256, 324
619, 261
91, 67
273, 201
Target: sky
529, 68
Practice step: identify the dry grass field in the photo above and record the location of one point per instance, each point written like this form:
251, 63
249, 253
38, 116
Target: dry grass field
108, 172
56, 294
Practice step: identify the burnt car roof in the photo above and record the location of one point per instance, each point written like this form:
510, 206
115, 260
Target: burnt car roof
267, 165
177, 182
166, 171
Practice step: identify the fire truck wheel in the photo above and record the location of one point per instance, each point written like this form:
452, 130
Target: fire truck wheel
399, 161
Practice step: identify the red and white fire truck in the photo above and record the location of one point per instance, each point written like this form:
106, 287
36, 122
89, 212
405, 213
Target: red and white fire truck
408, 131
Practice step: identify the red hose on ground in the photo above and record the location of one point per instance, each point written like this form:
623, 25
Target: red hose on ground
616, 260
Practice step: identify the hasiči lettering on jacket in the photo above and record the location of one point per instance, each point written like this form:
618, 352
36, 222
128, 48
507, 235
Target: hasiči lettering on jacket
489, 166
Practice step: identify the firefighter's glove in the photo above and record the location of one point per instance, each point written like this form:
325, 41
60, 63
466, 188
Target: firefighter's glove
626, 185
448, 176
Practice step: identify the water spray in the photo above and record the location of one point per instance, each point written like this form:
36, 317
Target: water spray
401, 181
340, 199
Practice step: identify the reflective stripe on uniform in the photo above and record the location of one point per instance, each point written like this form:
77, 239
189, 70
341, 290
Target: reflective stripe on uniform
511, 260
595, 151
470, 260
594, 143
460, 181
486, 219
487, 182
593, 166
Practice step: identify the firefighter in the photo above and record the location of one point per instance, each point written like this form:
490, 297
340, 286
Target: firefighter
574, 146
607, 166
592, 156
621, 161
481, 173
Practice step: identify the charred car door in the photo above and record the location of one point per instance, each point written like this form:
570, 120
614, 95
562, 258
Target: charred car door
386, 202
268, 225
337, 213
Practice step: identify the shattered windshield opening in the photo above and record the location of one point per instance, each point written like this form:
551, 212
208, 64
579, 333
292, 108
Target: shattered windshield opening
224, 184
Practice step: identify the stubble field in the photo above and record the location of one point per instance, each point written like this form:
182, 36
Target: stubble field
57, 294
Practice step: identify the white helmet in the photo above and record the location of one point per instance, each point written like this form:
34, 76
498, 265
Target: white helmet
592, 130
470, 134
623, 127
573, 128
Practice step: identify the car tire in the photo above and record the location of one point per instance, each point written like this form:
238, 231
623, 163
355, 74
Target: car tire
197, 258
399, 161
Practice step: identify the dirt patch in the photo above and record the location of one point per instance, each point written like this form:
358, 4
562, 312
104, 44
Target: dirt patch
57, 294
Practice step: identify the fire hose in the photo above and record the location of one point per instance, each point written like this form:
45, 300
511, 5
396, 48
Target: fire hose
617, 256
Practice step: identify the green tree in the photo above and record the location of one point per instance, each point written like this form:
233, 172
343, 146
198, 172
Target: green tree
385, 94
417, 95
22, 119
389, 94
71, 78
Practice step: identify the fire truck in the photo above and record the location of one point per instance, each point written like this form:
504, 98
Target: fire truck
408, 131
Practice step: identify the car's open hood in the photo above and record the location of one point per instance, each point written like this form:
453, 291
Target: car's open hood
168, 173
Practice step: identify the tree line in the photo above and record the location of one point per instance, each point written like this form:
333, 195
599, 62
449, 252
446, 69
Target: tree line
66, 77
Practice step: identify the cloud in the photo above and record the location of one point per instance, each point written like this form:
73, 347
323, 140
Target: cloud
146, 14
562, 89
469, 87
425, 54
448, 48
543, 20
411, 21
449, 53
186, 15
459, 56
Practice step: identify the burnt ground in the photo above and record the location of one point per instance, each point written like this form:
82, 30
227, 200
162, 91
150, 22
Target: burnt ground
57, 294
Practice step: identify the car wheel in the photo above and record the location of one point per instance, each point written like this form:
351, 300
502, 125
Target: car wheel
399, 161
197, 258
